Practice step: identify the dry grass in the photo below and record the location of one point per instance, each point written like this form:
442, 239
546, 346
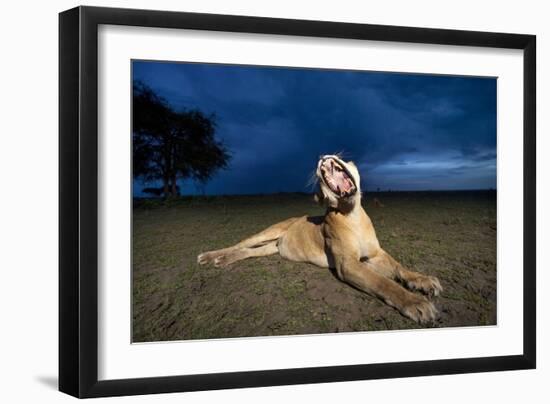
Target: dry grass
450, 235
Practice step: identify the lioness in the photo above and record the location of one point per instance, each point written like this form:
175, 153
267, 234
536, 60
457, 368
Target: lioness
343, 239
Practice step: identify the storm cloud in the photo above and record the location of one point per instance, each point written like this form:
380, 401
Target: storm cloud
404, 131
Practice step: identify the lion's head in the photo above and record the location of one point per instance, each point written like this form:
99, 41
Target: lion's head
339, 183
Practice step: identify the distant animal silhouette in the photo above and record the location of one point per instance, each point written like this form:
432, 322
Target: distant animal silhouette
377, 203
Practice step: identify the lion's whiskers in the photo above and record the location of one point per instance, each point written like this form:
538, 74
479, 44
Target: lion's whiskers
312, 182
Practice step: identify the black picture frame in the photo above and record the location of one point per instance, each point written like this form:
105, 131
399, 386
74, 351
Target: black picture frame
78, 201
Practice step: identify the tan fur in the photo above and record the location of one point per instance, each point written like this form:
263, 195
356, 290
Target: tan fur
343, 239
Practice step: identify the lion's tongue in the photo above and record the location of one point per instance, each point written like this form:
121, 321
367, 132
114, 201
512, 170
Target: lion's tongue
341, 181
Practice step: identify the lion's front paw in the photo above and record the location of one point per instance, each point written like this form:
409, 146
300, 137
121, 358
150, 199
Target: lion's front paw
429, 285
419, 309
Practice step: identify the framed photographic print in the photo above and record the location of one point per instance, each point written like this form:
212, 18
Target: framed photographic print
250, 201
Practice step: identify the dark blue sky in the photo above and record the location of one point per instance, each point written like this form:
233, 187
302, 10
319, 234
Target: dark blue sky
404, 131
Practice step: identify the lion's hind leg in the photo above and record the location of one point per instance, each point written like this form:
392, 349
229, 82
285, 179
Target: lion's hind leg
247, 252
253, 243
210, 257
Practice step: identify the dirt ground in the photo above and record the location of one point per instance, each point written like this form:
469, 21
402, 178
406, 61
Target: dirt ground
451, 235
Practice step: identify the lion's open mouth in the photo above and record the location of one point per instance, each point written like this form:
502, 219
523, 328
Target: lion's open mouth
337, 177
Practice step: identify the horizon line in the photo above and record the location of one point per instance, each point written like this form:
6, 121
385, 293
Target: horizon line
313, 193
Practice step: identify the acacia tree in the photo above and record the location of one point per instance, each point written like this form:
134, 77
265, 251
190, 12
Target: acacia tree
169, 145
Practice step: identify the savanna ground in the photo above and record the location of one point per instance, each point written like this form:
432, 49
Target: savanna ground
451, 235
